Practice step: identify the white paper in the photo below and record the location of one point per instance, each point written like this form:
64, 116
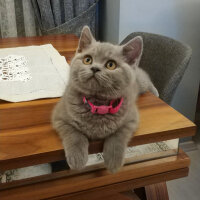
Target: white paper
49, 73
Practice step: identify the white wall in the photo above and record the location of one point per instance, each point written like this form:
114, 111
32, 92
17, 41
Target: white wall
179, 19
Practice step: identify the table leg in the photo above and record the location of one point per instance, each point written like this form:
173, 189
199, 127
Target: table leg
117, 196
157, 191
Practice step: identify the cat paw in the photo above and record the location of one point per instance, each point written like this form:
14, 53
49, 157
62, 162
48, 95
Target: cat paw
113, 167
77, 158
113, 159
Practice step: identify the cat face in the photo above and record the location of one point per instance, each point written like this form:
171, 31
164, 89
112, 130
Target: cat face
104, 69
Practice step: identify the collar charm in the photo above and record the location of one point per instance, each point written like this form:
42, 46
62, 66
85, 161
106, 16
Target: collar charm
102, 110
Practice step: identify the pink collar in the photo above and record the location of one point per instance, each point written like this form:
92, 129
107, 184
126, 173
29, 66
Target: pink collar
103, 109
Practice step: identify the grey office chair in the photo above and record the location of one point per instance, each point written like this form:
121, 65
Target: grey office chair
165, 60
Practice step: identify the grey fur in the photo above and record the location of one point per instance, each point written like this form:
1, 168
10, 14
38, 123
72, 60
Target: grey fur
73, 120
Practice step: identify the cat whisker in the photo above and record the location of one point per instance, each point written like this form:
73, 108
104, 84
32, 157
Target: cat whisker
113, 91
104, 79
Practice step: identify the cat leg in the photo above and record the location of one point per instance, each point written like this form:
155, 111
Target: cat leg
153, 89
144, 82
115, 146
75, 146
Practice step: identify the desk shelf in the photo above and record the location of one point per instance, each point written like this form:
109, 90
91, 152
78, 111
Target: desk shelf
97, 182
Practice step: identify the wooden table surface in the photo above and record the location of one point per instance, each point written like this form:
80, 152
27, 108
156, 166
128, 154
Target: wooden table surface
65, 44
26, 135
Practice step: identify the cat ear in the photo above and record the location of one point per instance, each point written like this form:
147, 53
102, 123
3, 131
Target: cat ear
86, 39
132, 50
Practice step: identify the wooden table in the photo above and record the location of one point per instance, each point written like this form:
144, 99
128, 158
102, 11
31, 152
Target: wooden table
26, 141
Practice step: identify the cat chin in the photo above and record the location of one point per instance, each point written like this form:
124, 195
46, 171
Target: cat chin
93, 88
99, 94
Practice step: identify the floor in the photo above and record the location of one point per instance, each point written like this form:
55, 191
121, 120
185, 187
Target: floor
187, 188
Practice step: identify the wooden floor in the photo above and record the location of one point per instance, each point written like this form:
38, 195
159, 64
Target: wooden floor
187, 188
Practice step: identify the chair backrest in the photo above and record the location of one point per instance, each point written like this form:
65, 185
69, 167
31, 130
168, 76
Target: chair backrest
165, 60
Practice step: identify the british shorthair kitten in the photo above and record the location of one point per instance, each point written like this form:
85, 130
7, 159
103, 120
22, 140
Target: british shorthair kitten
100, 100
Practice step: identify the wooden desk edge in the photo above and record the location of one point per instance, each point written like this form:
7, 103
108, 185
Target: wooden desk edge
94, 147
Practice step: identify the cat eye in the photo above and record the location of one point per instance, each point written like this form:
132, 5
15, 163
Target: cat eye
111, 65
87, 60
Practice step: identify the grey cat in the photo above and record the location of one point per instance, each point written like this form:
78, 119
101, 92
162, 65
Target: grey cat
101, 72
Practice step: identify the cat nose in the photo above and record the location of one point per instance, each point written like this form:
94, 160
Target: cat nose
95, 69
